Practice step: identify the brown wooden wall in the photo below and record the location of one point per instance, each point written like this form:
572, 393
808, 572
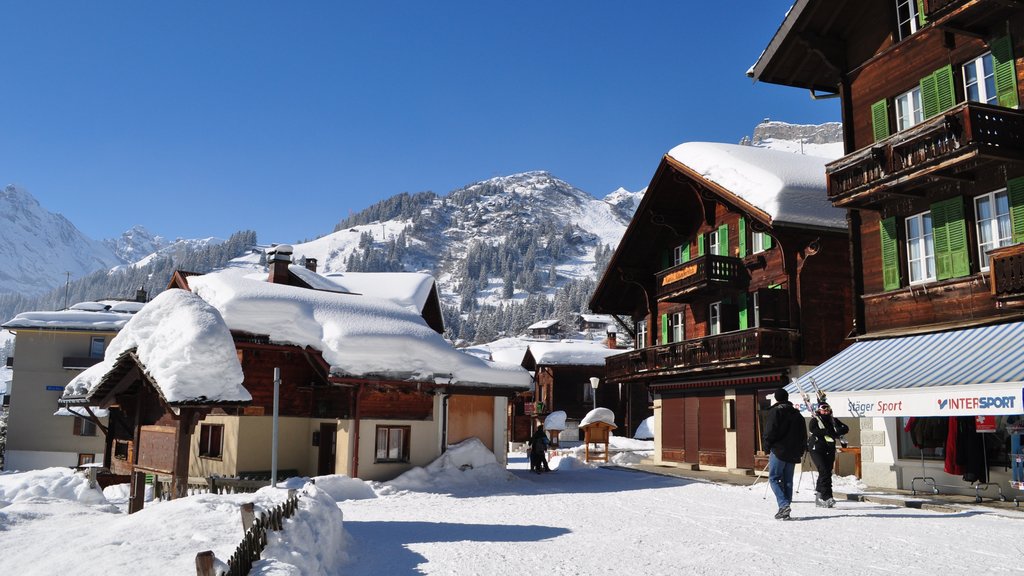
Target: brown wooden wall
826, 299
673, 429
302, 391
396, 405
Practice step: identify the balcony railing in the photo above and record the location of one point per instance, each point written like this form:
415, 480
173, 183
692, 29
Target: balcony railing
974, 15
706, 272
79, 363
946, 144
1006, 272
766, 345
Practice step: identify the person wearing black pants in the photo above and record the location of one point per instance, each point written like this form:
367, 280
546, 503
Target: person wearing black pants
826, 431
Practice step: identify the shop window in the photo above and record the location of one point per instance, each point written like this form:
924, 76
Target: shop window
927, 437
211, 440
392, 444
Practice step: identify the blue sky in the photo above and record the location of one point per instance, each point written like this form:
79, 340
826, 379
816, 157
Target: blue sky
202, 118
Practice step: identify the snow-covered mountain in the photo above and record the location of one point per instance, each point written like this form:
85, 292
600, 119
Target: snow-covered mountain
135, 244
42, 247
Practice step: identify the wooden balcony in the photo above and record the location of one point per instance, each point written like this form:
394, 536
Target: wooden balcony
708, 272
960, 140
754, 347
1006, 274
976, 17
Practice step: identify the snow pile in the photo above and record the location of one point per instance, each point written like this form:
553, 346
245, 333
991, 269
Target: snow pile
571, 353
313, 540
341, 487
555, 420
598, 415
48, 484
468, 463
567, 462
645, 431
185, 347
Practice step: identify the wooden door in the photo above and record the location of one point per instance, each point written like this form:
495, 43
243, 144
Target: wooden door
470, 416
326, 457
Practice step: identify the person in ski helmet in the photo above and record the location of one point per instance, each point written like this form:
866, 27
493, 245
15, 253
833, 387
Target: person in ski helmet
785, 436
826, 431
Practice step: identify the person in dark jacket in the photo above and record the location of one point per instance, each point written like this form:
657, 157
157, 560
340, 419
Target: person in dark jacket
785, 436
826, 431
538, 451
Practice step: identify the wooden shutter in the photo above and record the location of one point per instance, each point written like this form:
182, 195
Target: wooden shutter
774, 306
664, 329
686, 253
937, 94
949, 231
1015, 192
922, 18
666, 259
880, 119
890, 255
766, 241
1005, 71
700, 245
741, 304
743, 237
723, 240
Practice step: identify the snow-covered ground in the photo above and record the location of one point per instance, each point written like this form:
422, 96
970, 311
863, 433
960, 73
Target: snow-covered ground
465, 514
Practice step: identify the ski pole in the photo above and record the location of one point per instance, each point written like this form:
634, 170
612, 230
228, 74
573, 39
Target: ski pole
757, 477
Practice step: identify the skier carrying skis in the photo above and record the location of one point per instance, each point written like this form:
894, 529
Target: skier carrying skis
784, 437
826, 430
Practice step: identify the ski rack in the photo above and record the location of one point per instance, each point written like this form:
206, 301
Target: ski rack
978, 486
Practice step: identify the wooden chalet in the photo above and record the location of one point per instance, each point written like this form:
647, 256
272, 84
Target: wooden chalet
933, 181
730, 297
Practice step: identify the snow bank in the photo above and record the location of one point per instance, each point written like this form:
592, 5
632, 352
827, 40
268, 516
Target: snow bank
313, 540
341, 487
645, 431
467, 463
50, 483
555, 420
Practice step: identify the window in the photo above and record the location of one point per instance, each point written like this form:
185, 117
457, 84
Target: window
906, 17
715, 318
920, 248
908, 109
713, 243
680, 254
96, 347
122, 449
211, 440
678, 327
392, 444
758, 242
641, 334
588, 393
993, 214
84, 459
980, 80
756, 307
84, 427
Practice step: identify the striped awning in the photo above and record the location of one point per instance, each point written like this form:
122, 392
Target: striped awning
968, 372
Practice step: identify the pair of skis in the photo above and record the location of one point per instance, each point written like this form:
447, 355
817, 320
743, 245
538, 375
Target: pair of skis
821, 398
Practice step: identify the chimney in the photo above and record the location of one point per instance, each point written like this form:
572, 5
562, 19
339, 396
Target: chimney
610, 341
311, 264
141, 295
279, 258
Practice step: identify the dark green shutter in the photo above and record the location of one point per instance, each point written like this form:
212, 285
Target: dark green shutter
666, 259
1015, 192
1005, 71
741, 304
922, 18
743, 237
949, 233
937, 93
723, 240
686, 253
700, 245
664, 329
880, 119
890, 255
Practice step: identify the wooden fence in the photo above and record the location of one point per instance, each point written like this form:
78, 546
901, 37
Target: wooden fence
254, 541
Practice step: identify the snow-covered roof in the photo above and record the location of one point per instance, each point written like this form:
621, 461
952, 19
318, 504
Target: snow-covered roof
410, 289
599, 415
185, 347
571, 353
542, 324
597, 318
358, 335
81, 316
790, 188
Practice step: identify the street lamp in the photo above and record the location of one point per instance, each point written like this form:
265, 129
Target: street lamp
594, 383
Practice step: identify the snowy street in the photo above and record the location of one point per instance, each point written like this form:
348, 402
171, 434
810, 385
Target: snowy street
466, 514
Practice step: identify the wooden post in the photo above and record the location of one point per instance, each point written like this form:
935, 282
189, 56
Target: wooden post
204, 564
248, 516
138, 492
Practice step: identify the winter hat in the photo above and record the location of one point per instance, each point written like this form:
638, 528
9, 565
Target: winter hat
823, 406
781, 395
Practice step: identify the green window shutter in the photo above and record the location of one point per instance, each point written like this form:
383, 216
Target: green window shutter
664, 329
686, 253
929, 96
1005, 71
723, 240
880, 119
743, 237
949, 233
700, 245
741, 305
666, 259
1015, 190
767, 241
944, 93
890, 255
922, 19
